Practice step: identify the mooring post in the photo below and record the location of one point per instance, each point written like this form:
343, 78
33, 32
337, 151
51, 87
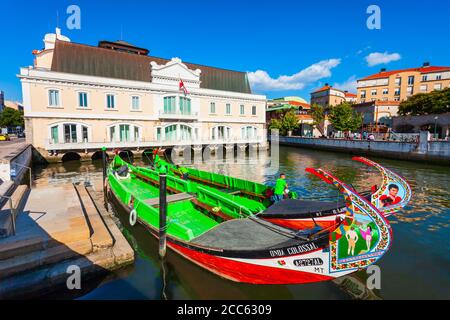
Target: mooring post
162, 215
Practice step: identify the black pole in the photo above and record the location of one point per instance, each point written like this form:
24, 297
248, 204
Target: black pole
162, 215
104, 164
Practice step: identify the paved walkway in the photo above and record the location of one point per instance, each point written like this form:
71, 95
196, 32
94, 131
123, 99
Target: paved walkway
8, 147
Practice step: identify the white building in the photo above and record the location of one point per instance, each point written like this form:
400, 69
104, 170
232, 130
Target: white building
79, 97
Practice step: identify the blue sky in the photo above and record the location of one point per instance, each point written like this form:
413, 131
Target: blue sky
289, 47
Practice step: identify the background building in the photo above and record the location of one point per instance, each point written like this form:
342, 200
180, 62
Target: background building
398, 85
14, 105
328, 96
80, 97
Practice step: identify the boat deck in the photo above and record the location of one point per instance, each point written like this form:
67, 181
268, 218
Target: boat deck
294, 207
247, 234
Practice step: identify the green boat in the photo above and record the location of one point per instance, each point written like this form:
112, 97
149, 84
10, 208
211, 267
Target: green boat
293, 213
223, 235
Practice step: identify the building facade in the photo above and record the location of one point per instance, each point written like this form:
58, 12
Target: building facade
377, 115
327, 96
80, 97
398, 85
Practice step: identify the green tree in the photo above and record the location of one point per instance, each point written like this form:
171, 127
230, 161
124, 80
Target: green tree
344, 118
434, 102
289, 121
318, 116
10, 117
276, 124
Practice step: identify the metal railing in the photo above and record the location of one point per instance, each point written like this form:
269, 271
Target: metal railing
50, 145
29, 171
177, 113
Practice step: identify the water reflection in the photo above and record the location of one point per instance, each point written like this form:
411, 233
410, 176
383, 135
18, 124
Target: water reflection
416, 266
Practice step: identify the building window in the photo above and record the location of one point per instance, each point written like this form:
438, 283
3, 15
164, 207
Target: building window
398, 81
385, 91
242, 109
70, 133
185, 105
212, 108
410, 90
137, 136
135, 103
158, 134
423, 88
53, 98
110, 101
373, 92
424, 78
437, 86
363, 94
82, 99
185, 132
169, 105
170, 133
410, 80
112, 133
84, 133
248, 132
228, 108
54, 134
124, 132
438, 77
397, 92
254, 110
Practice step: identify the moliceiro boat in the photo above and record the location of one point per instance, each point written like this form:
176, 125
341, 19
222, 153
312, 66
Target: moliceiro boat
393, 194
223, 236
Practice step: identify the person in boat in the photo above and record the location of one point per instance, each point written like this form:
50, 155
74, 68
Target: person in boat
352, 238
156, 158
183, 171
390, 198
281, 188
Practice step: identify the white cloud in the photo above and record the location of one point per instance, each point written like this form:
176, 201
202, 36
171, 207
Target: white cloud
376, 58
349, 84
261, 80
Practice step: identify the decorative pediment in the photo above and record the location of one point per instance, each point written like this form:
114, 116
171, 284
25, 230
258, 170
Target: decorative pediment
173, 71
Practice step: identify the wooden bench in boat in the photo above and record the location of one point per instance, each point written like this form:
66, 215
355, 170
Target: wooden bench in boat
224, 187
207, 207
153, 181
170, 198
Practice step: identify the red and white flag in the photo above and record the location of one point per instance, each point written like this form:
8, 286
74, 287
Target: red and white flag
183, 87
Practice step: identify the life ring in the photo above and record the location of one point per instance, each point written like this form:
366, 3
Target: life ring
133, 217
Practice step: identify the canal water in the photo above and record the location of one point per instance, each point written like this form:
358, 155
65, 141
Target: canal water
416, 267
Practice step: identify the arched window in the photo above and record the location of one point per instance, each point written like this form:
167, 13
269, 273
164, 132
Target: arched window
69, 132
249, 132
221, 133
185, 132
124, 132
170, 132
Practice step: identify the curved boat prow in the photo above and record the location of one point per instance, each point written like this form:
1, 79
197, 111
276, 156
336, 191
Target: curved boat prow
364, 235
391, 181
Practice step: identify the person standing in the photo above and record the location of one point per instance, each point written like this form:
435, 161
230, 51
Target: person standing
280, 188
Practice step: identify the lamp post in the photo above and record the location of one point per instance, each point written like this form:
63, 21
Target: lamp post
435, 126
